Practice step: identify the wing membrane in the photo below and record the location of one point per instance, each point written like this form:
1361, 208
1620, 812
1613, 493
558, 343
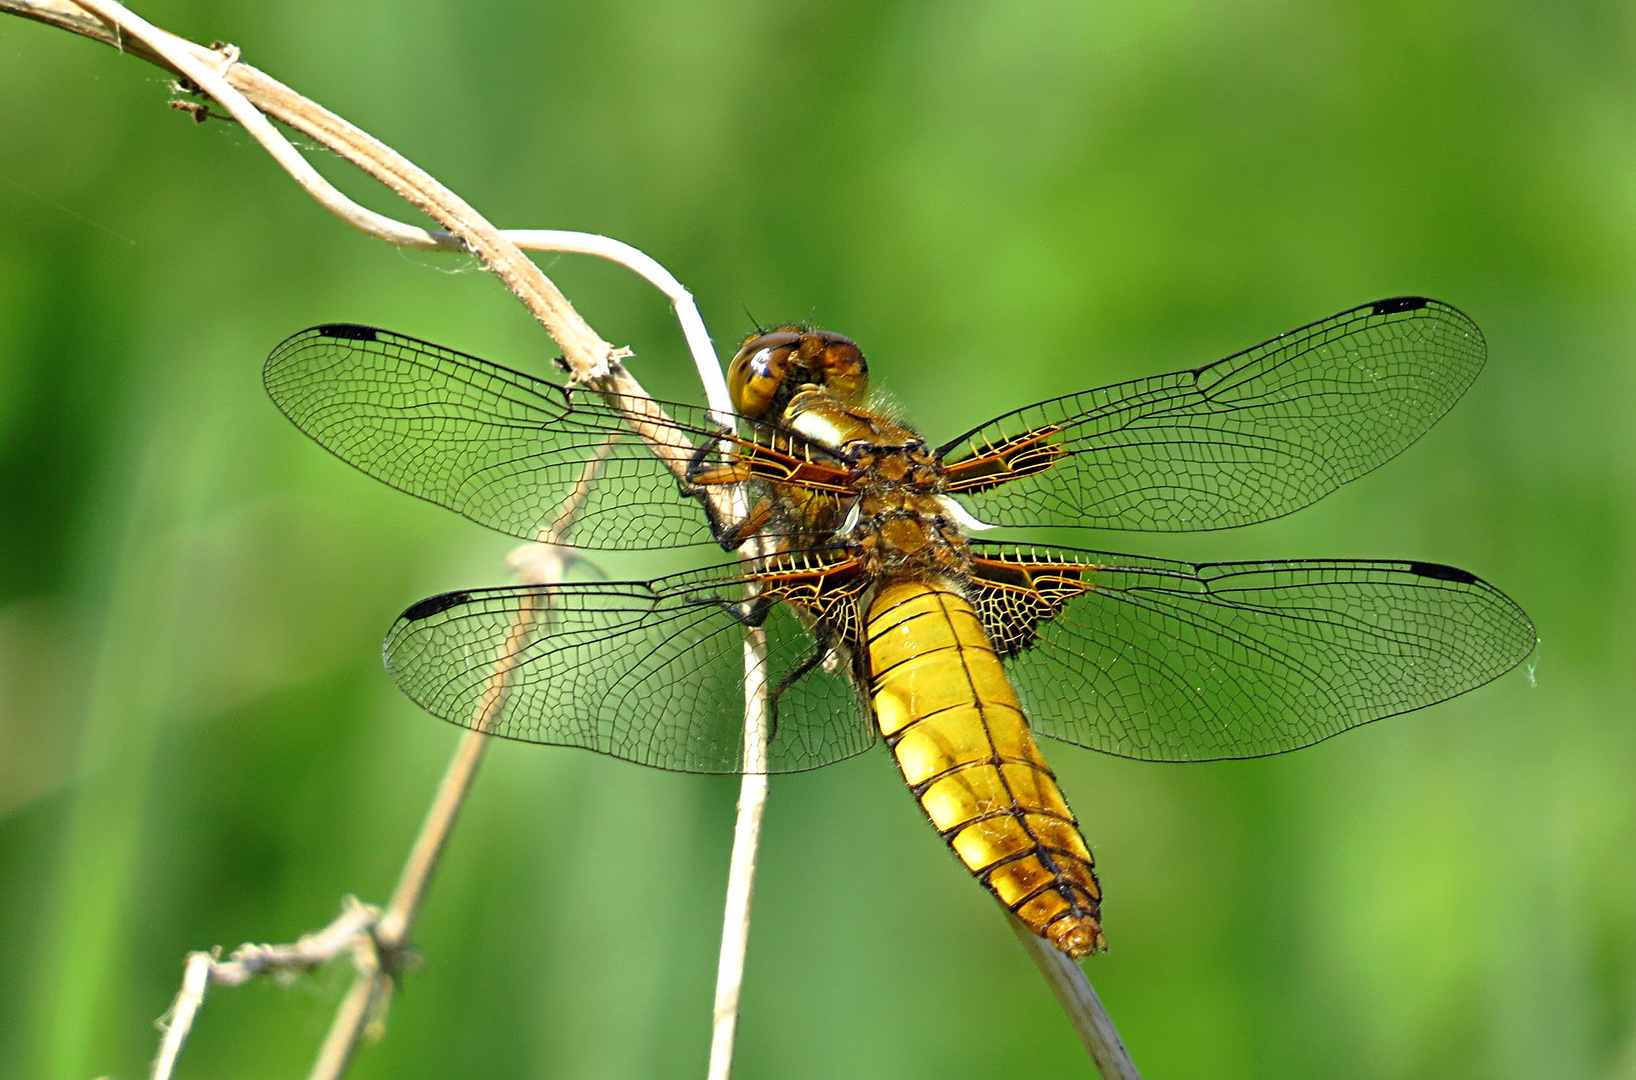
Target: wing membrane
494, 445
1166, 661
1249, 438
652, 672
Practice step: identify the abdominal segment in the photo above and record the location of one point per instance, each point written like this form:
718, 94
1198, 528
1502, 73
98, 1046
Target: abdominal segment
957, 731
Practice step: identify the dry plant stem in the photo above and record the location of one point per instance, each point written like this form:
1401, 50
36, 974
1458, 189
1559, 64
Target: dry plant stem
752, 802
311, 951
372, 985
681, 301
366, 999
267, 95
591, 360
379, 940
1080, 1004
247, 93
248, 961
179, 1021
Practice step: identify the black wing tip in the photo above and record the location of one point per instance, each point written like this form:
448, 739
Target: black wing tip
1395, 304
432, 605
1443, 573
1398, 305
347, 331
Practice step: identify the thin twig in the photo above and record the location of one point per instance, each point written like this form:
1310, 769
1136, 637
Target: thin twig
687, 311
311, 951
179, 1021
260, 93
366, 998
246, 93
1080, 1004
364, 1006
741, 870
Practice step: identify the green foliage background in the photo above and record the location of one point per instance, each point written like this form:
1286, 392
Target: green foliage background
1002, 201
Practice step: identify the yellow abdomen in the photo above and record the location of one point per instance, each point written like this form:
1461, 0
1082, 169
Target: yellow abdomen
955, 726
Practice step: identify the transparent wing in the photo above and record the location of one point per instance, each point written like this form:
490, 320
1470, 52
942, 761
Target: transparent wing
652, 672
495, 445
1245, 439
1168, 661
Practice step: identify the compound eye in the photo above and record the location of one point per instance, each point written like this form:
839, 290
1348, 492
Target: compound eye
759, 369
845, 371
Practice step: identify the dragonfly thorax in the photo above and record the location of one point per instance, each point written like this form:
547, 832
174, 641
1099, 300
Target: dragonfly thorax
897, 519
854, 432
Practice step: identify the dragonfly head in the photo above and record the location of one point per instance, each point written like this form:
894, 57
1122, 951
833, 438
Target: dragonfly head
772, 367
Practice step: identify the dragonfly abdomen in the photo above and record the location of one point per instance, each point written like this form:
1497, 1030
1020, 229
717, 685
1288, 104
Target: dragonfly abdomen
957, 731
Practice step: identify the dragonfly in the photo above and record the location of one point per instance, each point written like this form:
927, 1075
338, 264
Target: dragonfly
885, 618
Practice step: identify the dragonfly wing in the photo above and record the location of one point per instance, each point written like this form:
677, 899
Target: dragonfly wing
1245, 439
500, 447
1166, 661
652, 672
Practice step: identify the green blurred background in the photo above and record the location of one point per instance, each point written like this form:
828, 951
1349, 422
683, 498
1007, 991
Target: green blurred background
1001, 202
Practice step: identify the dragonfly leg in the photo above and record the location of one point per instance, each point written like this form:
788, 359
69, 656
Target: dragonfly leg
736, 471
746, 612
731, 536
826, 643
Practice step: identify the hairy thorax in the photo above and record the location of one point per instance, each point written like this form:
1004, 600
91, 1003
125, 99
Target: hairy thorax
899, 522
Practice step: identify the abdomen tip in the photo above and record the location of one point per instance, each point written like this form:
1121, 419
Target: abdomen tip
1076, 935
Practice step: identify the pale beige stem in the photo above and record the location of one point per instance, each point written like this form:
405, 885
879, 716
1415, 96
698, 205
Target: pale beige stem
247, 93
179, 1021
371, 988
741, 870
1080, 1004
366, 1000
248, 961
